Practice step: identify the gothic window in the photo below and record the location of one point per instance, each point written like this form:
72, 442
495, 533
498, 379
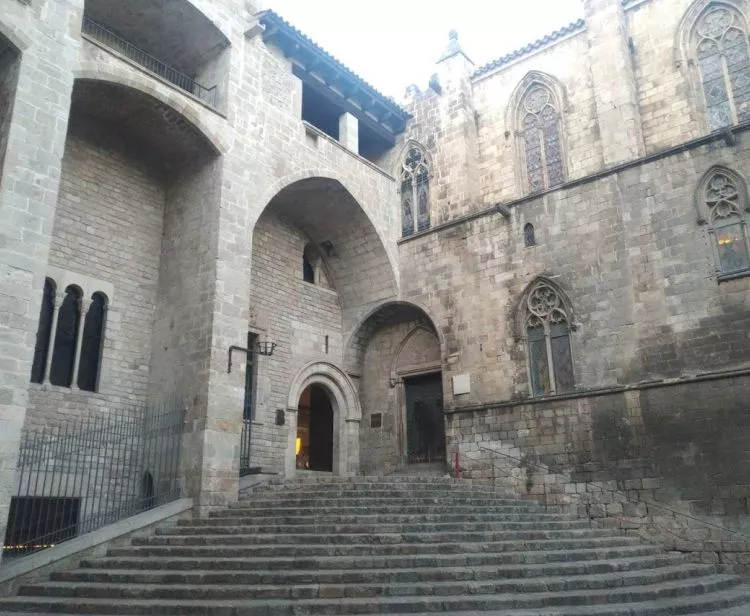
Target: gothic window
547, 329
724, 199
540, 131
723, 60
43, 332
64, 348
415, 193
529, 238
91, 344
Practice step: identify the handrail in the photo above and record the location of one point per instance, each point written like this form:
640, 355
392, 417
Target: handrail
619, 494
105, 36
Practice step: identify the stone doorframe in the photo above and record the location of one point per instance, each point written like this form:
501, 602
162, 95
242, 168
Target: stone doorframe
347, 415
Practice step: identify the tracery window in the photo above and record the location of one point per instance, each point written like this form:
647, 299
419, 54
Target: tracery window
547, 328
540, 130
415, 193
43, 332
723, 59
725, 201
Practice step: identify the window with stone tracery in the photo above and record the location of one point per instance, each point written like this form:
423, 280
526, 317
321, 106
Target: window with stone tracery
547, 327
415, 193
724, 200
540, 130
723, 62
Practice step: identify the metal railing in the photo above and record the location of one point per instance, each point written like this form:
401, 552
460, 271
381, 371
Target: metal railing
92, 472
105, 36
245, 468
586, 501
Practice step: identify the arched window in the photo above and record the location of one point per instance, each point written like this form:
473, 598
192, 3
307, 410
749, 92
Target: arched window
308, 271
723, 61
723, 203
547, 326
64, 349
539, 127
415, 193
43, 332
529, 238
91, 345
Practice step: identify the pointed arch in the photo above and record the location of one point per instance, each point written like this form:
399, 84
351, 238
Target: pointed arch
421, 328
545, 321
535, 117
713, 49
721, 202
414, 174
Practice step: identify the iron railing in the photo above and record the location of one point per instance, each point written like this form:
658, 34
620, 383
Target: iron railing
92, 472
245, 468
105, 36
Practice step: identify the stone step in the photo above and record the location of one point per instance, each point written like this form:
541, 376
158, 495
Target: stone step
699, 592
508, 513
95, 571
691, 575
357, 535
361, 499
418, 560
399, 545
374, 524
271, 494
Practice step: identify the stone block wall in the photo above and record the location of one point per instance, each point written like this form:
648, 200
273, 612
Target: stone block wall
10, 64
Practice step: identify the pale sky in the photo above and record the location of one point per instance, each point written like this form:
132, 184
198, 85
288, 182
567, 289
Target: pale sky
393, 43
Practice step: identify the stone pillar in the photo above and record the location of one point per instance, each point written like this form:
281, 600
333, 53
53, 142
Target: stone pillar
297, 96
349, 132
290, 460
615, 89
85, 305
48, 42
53, 332
352, 447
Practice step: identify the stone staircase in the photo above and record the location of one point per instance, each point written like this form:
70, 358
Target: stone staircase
400, 545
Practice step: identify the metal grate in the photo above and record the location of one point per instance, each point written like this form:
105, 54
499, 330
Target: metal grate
92, 472
105, 36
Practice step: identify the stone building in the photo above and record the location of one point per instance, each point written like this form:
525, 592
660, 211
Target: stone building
546, 256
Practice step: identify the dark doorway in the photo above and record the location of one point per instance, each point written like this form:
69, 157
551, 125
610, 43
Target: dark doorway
425, 425
315, 430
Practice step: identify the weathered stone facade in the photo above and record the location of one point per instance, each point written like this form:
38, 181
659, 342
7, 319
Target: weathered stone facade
197, 208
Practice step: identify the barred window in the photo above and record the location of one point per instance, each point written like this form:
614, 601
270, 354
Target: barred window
415, 193
723, 61
547, 330
539, 125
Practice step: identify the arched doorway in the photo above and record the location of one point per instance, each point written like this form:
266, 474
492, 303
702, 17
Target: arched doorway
314, 445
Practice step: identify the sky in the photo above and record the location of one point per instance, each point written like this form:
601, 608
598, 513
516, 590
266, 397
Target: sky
395, 43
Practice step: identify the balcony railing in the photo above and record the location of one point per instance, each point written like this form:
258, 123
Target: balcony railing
105, 36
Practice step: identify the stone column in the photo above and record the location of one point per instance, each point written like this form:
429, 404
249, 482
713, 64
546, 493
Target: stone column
615, 89
53, 332
85, 305
349, 132
290, 460
352, 447
47, 42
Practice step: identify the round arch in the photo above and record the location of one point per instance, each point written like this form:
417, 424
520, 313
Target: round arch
126, 78
347, 414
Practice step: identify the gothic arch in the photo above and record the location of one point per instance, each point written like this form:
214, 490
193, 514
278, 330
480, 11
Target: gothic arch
411, 143
685, 52
124, 77
698, 198
420, 328
347, 414
520, 310
557, 100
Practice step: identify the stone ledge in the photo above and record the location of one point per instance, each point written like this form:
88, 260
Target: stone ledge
42, 563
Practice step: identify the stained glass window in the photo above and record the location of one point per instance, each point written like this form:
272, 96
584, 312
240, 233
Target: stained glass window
548, 339
540, 125
723, 199
415, 193
724, 65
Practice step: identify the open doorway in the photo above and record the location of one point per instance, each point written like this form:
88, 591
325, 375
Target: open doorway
425, 425
314, 446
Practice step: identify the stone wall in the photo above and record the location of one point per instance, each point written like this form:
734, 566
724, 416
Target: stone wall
108, 226
10, 64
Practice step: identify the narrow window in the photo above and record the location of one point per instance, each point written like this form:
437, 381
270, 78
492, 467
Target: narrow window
548, 339
724, 199
43, 332
539, 125
529, 239
64, 349
415, 193
723, 61
91, 345
251, 374
308, 271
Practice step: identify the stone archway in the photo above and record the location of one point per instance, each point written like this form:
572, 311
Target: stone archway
347, 415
